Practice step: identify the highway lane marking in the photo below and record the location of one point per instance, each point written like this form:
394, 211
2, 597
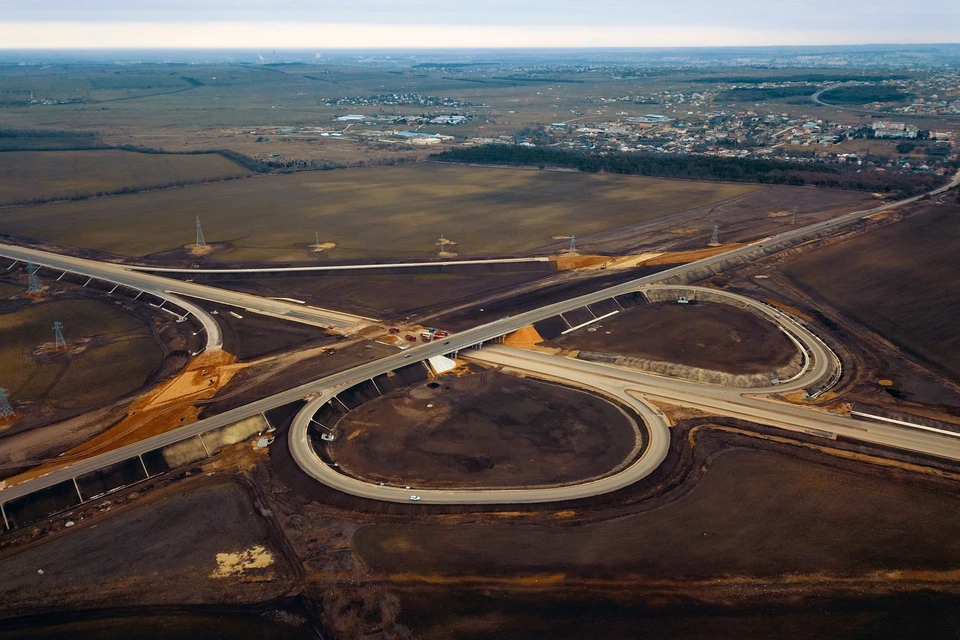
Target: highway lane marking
913, 425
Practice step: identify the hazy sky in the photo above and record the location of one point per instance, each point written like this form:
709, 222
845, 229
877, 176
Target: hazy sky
479, 23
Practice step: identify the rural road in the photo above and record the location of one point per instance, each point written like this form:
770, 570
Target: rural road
732, 402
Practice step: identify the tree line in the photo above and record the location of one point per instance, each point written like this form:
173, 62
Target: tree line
694, 167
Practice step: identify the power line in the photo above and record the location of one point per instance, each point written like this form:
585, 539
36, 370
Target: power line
34, 286
59, 343
200, 241
715, 238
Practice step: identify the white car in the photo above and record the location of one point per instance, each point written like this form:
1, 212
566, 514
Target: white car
415, 498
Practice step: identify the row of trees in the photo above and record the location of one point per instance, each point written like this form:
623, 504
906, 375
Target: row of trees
696, 167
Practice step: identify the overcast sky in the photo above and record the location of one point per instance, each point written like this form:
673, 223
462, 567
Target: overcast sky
479, 23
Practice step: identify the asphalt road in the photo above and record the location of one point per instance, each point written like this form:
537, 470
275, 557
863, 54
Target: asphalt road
726, 401
658, 445
173, 290
341, 267
623, 384
750, 409
362, 372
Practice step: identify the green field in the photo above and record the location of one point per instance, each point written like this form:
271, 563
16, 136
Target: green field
899, 281
30, 176
376, 213
112, 354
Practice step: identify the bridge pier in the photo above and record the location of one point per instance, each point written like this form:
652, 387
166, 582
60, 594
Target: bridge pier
77, 487
6, 523
144, 465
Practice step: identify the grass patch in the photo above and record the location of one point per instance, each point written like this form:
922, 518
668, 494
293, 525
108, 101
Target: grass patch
381, 213
32, 176
119, 353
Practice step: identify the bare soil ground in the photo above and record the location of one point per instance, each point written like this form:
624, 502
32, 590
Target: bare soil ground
741, 218
483, 429
30, 176
564, 286
145, 554
707, 335
103, 333
373, 213
751, 513
391, 296
899, 281
805, 536
278, 374
254, 335
445, 613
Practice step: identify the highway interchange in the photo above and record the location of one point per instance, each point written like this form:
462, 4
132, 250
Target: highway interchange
629, 387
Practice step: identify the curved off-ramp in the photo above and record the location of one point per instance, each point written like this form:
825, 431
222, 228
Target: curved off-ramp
817, 363
175, 291
658, 443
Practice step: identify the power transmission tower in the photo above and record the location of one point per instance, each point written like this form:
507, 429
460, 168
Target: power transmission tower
6, 409
200, 241
793, 220
573, 244
34, 288
59, 343
715, 238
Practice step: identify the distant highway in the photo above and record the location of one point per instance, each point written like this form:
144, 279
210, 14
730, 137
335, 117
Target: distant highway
816, 98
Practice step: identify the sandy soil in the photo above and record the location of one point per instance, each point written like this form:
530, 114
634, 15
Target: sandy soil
483, 429
706, 335
276, 374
